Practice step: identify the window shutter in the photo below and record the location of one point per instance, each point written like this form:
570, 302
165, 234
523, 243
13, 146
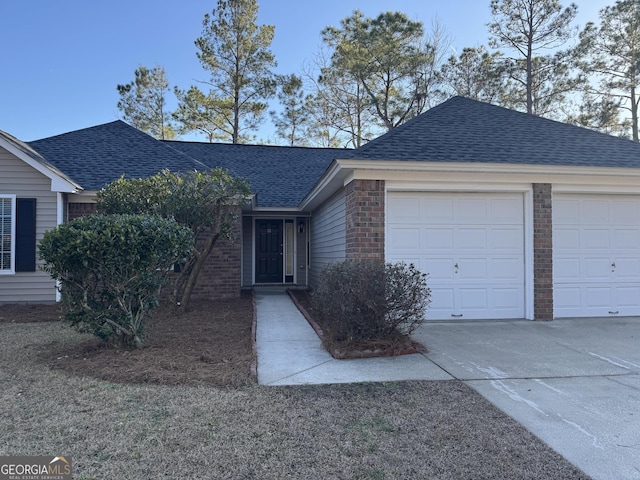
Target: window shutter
25, 235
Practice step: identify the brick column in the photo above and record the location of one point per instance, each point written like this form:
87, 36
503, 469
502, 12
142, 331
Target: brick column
542, 252
365, 219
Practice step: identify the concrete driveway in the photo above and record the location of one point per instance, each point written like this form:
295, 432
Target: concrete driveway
574, 383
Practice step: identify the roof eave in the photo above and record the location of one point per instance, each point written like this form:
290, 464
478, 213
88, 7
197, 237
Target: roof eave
341, 172
59, 183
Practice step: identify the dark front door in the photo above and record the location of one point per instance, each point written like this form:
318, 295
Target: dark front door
269, 251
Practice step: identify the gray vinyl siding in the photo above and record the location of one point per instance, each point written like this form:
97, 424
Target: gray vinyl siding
247, 251
18, 178
328, 235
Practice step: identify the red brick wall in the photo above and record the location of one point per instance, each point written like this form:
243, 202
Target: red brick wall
221, 274
542, 252
77, 210
365, 219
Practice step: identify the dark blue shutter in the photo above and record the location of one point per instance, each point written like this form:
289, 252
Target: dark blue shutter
25, 235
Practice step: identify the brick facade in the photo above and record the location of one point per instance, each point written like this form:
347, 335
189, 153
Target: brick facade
77, 210
365, 219
221, 275
542, 252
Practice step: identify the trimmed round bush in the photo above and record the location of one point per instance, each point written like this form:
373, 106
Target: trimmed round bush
369, 300
111, 269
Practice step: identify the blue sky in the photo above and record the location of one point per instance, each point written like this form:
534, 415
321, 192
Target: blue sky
62, 59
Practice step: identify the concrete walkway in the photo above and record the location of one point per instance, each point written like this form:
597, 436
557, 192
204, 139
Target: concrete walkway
573, 383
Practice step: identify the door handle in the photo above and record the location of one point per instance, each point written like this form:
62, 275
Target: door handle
613, 267
456, 267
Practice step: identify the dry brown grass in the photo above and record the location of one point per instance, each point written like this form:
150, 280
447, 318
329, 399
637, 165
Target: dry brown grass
405, 430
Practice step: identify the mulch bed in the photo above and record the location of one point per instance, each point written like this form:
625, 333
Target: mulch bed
29, 313
391, 346
212, 344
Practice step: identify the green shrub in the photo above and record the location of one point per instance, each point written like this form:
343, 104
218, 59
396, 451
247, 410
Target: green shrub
369, 300
111, 269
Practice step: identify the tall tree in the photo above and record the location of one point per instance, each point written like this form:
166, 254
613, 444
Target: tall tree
200, 113
340, 109
235, 51
611, 52
143, 102
292, 121
601, 113
527, 27
387, 56
477, 74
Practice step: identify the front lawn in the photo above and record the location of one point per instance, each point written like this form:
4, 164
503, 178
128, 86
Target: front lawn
180, 420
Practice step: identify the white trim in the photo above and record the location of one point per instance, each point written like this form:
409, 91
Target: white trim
395, 166
59, 221
564, 178
12, 261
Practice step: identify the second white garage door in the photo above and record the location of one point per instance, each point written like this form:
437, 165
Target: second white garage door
470, 244
596, 263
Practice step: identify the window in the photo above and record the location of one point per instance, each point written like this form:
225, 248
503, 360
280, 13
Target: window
7, 235
17, 234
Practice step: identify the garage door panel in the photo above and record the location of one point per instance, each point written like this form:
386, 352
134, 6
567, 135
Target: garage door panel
505, 240
566, 239
627, 269
608, 251
625, 212
471, 239
567, 270
507, 298
404, 209
442, 301
506, 269
594, 212
406, 239
470, 269
566, 212
481, 233
596, 239
596, 269
597, 296
470, 211
438, 239
436, 210
472, 299
439, 269
626, 239
568, 298
505, 211
626, 297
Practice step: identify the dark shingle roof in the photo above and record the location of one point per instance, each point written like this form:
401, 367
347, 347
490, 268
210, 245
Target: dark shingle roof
464, 130
96, 156
279, 176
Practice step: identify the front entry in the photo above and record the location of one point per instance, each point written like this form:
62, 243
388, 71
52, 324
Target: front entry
269, 251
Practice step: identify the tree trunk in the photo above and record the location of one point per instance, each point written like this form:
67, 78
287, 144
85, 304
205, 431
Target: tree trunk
223, 214
634, 114
195, 272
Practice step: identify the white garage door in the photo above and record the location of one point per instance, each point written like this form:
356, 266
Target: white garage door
470, 244
596, 263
